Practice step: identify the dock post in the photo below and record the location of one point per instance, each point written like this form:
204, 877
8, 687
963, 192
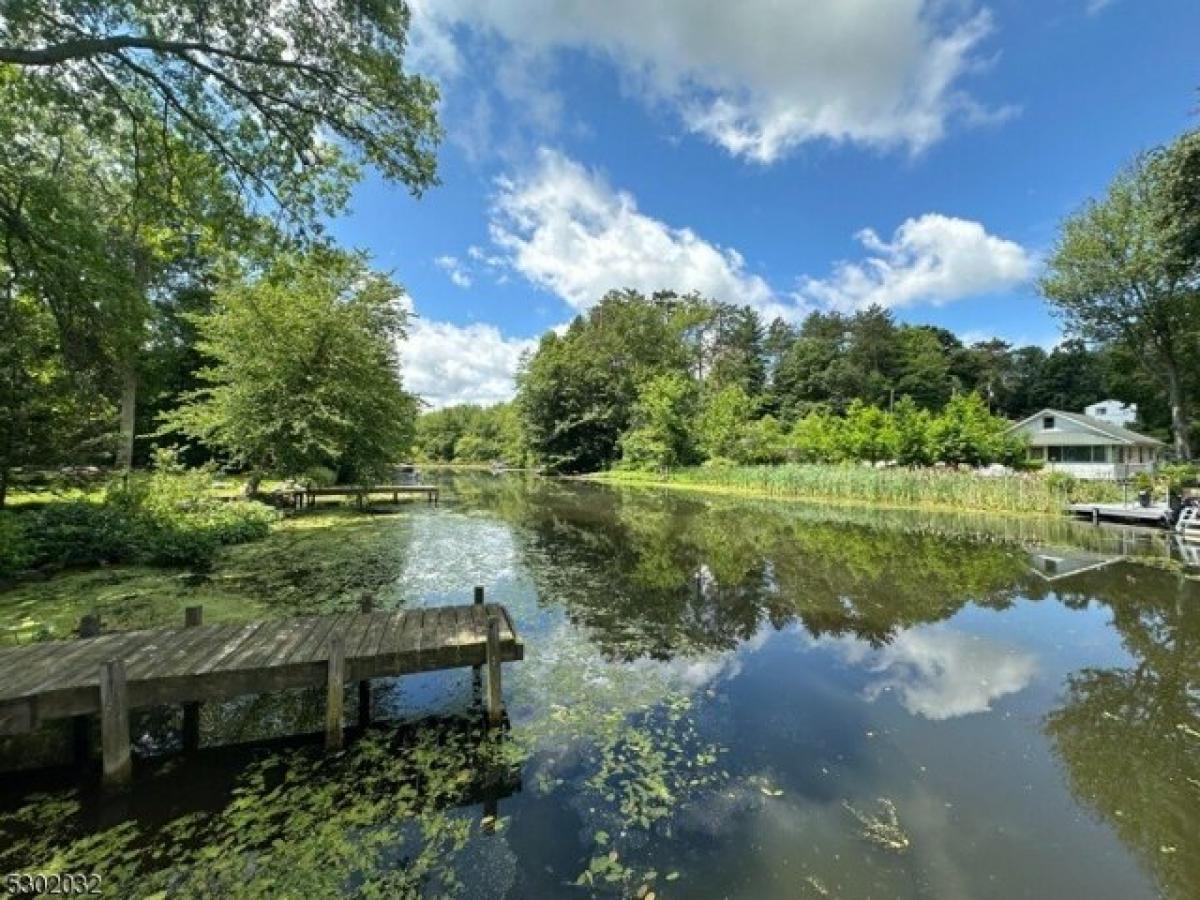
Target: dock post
477, 671
81, 726
333, 693
364, 686
1095, 515
114, 724
193, 616
495, 699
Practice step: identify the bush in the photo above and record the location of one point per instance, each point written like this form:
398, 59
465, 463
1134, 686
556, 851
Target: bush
164, 518
15, 553
77, 532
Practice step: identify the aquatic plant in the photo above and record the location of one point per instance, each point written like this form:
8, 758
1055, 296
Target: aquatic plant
900, 487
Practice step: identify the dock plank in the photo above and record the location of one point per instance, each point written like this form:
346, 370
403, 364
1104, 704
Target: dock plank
203, 662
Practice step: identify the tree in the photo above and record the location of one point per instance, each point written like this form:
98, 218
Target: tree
764, 442
913, 433
304, 370
965, 433
125, 120
259, 89
661, 436
46, 415
868, 433
1124, 270
817, 438
576, 393
723, 420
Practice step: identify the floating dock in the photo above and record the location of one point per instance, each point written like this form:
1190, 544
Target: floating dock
112, 673
1158, 514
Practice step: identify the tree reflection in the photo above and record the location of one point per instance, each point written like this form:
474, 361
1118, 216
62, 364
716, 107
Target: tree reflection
658, 574
1130, 737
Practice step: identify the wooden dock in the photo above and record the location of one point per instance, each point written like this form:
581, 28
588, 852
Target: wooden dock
111, 673
307, 497
1129, 513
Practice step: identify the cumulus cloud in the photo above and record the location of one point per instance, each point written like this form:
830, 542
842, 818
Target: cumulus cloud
940, 673
930, 259
453, 268
758, 77
445, 364
564, 228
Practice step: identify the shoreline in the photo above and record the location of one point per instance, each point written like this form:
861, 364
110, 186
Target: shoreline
616, 479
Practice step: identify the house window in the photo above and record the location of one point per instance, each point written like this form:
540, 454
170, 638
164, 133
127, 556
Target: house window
1047, 423
1077, 454
1102, 411
1054, 454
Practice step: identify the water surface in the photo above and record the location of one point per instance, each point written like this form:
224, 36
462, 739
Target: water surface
719, 698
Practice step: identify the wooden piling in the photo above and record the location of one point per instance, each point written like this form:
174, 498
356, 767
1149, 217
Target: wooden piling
364, 687
495, 699
81, 726
333, 693
193, 616
114, 724
476, 671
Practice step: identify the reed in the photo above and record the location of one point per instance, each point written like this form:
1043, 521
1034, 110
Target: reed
901, 487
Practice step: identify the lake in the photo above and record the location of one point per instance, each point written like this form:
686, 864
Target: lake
720, 698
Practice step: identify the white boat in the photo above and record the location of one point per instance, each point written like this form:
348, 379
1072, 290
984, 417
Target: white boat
1187, 526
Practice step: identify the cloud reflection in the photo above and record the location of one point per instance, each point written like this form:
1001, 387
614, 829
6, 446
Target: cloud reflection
939, 673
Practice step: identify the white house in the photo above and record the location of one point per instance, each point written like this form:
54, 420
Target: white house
1114, 412
1087, 446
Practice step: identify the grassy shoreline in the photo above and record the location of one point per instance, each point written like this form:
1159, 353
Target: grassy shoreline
919, 489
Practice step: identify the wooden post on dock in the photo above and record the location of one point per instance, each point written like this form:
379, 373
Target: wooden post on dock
114, 724
476, 671
193, 616
364, 686
495, 699
333, 693
81, 726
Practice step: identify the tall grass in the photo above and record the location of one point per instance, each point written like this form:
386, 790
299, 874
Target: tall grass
903, 487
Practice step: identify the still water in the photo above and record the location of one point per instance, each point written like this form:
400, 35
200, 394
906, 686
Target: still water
720, 698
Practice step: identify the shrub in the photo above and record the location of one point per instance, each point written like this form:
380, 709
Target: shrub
15, 553
165, 518
78, 532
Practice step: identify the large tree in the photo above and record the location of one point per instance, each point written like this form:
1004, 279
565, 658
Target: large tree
274, 91
1126, 269
304, 370
577, 392
158, 110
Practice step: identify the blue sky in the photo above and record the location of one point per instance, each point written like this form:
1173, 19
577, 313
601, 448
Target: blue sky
790, 155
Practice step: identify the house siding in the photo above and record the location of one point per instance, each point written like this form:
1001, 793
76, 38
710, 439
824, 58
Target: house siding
1085, 450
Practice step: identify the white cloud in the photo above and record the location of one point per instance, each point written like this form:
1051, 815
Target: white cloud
931, 259
757, 77
1047, 341
1097, 6
445, 364
452, 267
940, 673
565, 229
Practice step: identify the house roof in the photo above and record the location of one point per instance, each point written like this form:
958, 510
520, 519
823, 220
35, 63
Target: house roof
1114, 433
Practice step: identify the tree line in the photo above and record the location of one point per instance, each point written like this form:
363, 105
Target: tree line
670, 379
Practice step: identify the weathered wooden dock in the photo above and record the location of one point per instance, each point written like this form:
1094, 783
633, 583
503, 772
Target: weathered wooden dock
111, 673
307, 497
1158, 514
